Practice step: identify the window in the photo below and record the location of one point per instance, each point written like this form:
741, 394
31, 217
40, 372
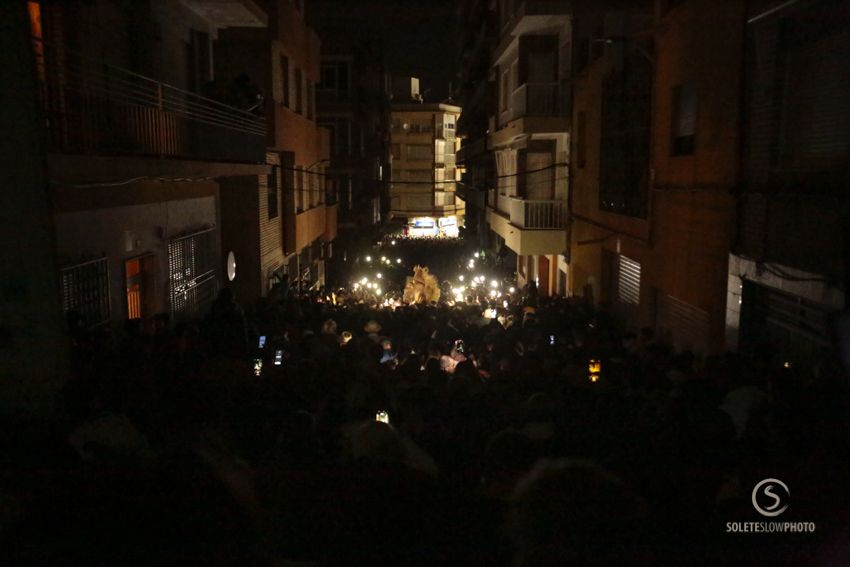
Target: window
581, 139
299, 189
419, 175
506, 85
439, 151
299, 91
583, 54
272, 193
396, 150
309, 100
420, 126
624, 132
444, 198
284, 73
815, 125
420, 152
85, 289
340, 135
191, 272
334, 78
598, 46
628, 281
684, 119
538, 184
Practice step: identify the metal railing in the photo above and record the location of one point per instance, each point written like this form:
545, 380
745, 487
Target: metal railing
539, 215
192, 272
94, 107
85, 289
532, 99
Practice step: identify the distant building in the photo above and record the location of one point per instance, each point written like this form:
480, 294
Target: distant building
424, 171
353, 103
285, 224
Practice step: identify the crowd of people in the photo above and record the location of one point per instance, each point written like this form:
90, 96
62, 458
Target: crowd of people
306, 432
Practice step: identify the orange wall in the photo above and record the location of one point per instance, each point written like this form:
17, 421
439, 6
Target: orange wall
683, 246
700, 42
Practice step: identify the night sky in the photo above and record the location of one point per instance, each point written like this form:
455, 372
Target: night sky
420, 41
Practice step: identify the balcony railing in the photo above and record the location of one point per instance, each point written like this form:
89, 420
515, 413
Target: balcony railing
93, 107
444, 199
532, 99
533, 215
538, 214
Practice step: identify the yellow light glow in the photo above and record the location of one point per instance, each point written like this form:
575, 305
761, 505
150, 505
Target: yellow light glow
368, 258
460, 278
594, 366
379, 275
363, 281
494, 283
513, 289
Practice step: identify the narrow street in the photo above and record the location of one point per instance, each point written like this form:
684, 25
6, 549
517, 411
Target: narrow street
487, 283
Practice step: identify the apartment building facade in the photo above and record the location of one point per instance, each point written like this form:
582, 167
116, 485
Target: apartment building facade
652, 226
787, 272
137, 154
285, 223
529, 137
424, 169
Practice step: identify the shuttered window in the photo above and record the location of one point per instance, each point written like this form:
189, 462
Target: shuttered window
816, 113
684, 119
682, 324
191, 272
793, 325
628, 281
85, 290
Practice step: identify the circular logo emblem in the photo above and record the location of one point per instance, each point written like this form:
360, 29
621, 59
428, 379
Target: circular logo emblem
769, 497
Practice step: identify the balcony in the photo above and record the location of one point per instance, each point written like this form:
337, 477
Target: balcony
229, 13
528, 227
304, 227
92, 107
331, 224
445, 160
532, 16
532, 99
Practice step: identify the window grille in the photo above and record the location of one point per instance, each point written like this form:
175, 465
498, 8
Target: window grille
85, 289
191, 272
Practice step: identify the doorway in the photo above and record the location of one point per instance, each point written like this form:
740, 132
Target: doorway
140, 276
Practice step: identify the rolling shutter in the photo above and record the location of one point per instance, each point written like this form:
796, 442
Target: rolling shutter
628, 281
683, 325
